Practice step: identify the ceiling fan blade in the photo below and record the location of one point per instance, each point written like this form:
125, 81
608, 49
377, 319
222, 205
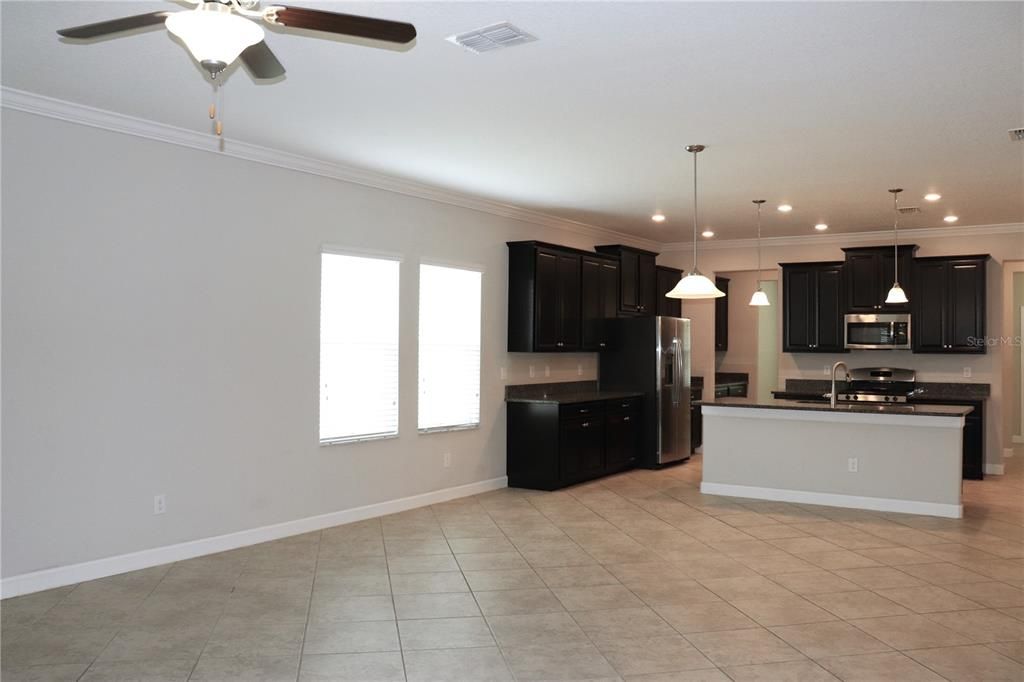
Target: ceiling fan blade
103, 28
346, 24
261, 62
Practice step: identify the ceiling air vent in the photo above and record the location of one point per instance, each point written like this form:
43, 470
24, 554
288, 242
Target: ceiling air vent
909, 209
1017, 134
494, 37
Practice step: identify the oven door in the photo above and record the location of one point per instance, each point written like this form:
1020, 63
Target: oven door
879, 332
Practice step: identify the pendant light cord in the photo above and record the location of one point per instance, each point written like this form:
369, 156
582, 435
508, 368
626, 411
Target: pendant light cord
695, 212
758, 246
896, 238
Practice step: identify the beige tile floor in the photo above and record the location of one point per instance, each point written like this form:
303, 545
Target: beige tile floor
636, 577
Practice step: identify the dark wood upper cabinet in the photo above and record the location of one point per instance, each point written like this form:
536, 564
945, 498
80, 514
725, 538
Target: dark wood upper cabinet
599, 279
812, 307
638, 279
722, 315
667, 279
869, 276
949, 305
544, 298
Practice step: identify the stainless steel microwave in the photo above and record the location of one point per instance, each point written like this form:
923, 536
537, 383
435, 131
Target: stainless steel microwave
877, 332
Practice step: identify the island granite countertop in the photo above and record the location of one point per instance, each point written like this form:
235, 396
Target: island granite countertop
842, 408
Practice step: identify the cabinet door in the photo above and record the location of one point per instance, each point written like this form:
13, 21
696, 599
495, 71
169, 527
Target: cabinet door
798, 310
609, 299
569, 302
667, 280
547, 302
966, 308
591, 298
928, 323
581, 449
629, 277
974, 444
828, 304
621, 440
647, 284
722, 315
863, 277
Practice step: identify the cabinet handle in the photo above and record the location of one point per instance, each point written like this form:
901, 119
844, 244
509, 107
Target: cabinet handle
625, 404
625, 419
602, 344
559, 344
585, 425
584, 411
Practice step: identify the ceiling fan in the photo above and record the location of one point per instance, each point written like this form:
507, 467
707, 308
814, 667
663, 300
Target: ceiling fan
217, 32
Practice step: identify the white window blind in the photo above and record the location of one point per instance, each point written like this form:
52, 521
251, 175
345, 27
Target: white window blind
358, 348
449, 348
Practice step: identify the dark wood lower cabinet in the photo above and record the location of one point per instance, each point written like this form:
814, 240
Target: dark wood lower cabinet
550, 446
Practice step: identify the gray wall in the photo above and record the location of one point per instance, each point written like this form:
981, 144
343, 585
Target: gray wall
160, 335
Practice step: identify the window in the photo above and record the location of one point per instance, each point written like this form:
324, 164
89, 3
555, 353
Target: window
358, 348
449, 366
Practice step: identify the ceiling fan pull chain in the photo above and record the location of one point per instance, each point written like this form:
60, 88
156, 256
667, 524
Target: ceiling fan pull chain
219, 125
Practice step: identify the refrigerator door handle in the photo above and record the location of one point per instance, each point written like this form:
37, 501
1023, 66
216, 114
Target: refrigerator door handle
677, 371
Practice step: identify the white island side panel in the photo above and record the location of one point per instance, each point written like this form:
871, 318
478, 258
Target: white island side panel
906, 463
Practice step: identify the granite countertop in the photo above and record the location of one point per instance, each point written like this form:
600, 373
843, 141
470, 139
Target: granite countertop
932, 389
863, 408
569, 398
563, 393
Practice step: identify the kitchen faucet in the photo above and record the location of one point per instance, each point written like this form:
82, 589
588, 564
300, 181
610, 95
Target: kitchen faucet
832, 395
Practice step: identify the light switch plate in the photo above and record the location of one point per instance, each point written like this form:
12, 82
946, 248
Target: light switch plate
967, 372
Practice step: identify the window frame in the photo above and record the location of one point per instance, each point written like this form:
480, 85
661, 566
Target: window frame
356, 252
454, 265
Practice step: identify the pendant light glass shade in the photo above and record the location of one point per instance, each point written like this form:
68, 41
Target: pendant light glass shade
213, 33
695, 285
896, 293
759, 298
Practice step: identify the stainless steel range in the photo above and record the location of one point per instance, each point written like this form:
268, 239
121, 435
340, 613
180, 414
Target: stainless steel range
880, 385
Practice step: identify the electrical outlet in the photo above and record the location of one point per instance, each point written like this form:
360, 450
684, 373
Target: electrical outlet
967, 372
827, 371
447, 459
547, 370
533, 372
503, 373
853, 465
579, 370
159, 504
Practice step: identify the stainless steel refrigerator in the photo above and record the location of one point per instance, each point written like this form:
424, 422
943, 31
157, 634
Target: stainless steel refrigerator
652, 355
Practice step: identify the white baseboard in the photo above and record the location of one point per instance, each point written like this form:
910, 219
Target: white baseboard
101, 568
994, 469
952, 511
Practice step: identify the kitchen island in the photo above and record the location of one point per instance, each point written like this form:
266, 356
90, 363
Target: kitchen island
898, 458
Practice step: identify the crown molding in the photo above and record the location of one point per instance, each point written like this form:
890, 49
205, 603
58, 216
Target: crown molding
71, 112
850, 238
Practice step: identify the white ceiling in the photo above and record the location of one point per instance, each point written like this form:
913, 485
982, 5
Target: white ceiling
823, 105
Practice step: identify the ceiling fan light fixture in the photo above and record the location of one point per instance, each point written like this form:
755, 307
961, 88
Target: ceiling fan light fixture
213, 33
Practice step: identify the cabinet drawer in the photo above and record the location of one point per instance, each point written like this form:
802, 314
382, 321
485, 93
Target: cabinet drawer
623, 404
582, 410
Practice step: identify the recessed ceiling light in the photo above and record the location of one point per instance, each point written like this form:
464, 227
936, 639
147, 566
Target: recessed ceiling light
821, 227
785, 208
708, 233
951, 218
932, 196
658, 218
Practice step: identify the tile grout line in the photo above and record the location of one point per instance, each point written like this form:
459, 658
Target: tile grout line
309, 606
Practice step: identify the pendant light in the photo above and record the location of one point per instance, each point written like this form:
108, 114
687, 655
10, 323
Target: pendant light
759, 298
896, 294
695, 285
